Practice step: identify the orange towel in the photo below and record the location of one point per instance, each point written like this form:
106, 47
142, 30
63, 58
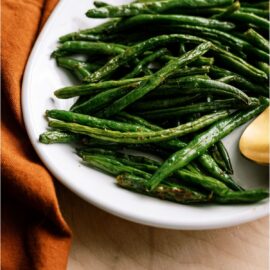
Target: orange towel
34, 233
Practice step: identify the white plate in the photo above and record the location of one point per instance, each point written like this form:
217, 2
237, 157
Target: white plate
42, 77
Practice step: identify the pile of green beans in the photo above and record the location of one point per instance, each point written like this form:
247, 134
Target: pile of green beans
167, 79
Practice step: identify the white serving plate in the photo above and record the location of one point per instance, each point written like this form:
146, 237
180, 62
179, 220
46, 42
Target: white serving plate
42, 77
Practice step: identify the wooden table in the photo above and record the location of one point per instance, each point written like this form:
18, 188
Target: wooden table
102, 241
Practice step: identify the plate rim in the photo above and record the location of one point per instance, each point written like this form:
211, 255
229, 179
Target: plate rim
220, 223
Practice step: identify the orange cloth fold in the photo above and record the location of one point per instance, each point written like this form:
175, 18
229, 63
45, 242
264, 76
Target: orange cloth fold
34, 233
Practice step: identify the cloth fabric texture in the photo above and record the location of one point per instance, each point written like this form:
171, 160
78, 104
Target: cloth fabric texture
34, 233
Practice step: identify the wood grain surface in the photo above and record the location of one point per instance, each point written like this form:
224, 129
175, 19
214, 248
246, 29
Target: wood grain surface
102, 241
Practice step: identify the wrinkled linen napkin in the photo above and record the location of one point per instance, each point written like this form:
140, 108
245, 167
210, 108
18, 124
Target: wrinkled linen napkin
34, 233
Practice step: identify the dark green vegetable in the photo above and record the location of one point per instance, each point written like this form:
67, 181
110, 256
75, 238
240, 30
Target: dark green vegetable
244, 84
202, 142
112, 166
213, 150
102, 99
205, 160
163, 103
156, 79
54, 136
158, 19
225, 156
144, 62
256, 11
92, 121
157, 40
261, 4
195, 84
250, 18
100, 4
150, 8
247, 196
88, 47
174, 192
189, 109
239, 45
209, 164
139, 162
135, 51
168, 191
71, 63
100, 29
231, 9
264, 67
258, 40
146, 164
239, 65
95, 88
132, 137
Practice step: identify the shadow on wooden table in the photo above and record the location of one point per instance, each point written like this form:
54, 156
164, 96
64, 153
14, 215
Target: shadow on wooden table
102, 241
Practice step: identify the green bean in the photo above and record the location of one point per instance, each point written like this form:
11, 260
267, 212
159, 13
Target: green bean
129, 118
111, 166
92, 37
156, 79
229, 39
138, 159
102, 99
144, 62
71, 63
264, 67
202, 142
137, 162
100, 4
218, 72
207, 182
225, 156
217, 157
136, 137
256, 11
163, 103
209, 164
80, 101
250, 18
168, 191
116, 163
258, 40
245, 84
190, 85
95, 88
54, 136
149, 8
158, 19
247, 196
196, 72
203, 61
205, 160
239, 65
260, 5
89, 48
100, 29
149, 165
189, 109
182, 48
80, 68
92, 121
231, 9
138, 49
